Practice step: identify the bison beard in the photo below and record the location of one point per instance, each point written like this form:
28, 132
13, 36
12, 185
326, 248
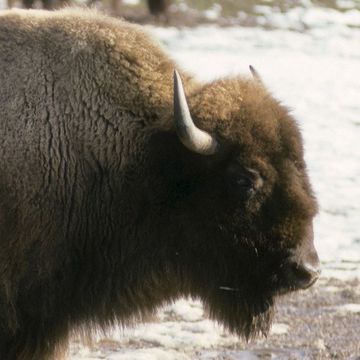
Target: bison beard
240, 294
243, 309
121, 189
240, 314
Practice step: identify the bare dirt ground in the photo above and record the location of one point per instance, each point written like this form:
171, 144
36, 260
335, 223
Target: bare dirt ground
322, 324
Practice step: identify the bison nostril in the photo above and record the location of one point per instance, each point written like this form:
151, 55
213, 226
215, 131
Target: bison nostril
302, 276
313, 269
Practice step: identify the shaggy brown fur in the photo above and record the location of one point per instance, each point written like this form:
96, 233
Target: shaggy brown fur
105, 215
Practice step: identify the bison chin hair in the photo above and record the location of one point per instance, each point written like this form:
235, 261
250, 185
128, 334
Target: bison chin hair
243, 317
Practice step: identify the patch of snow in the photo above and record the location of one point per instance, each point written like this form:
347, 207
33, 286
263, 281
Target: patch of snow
214, 12
148, 354
279, 329
180, 334
352, 308
131, 2
332, 289
320, 344
345, 4
184, 310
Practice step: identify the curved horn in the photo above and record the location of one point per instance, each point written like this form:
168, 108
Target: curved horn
191, 136
255, 74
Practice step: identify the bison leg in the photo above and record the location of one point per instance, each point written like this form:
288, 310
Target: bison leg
116, 6
10, 3
48, 4
54, 4
28, 4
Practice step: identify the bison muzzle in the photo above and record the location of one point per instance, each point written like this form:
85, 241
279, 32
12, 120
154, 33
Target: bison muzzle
124, 185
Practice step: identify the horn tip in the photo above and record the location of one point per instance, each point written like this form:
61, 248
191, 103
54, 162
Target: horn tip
255, 74
176, 74
177, 78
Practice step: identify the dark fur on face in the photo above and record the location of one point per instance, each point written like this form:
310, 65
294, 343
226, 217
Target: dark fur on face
105, 215
247, 207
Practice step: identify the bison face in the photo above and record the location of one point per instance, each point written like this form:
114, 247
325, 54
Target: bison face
239, 205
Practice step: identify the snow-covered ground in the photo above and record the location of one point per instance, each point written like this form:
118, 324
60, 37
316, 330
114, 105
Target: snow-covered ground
179, 333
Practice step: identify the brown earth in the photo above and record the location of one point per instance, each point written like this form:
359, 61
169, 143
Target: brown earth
319, 325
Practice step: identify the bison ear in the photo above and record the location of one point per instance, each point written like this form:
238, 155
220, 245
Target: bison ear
255, 74
191, 136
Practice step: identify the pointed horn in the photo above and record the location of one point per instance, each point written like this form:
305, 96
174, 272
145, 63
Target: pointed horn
255, 74
191, 136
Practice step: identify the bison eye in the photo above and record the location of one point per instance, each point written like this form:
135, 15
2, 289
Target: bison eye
243, 181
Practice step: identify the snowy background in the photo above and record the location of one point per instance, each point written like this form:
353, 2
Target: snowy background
309, 56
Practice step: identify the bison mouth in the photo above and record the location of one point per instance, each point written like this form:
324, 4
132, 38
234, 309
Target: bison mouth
245, 304
294, 277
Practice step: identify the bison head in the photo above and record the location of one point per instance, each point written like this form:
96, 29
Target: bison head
239, 205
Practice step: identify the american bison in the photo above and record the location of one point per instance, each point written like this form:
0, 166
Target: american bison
121, 191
